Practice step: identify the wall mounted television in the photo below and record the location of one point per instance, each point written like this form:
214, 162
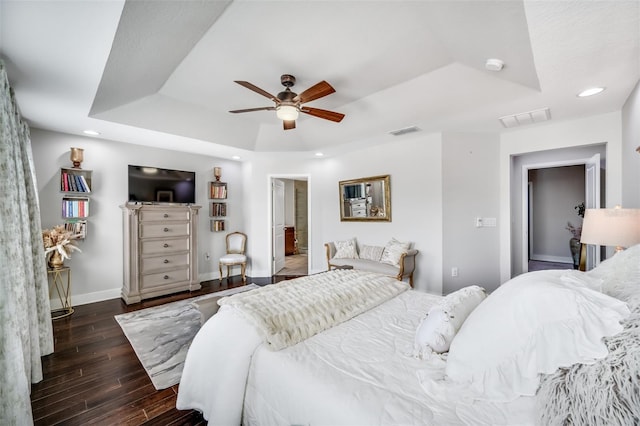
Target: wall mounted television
155, 185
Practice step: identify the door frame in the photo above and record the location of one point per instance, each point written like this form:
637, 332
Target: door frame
290, 176
525, 198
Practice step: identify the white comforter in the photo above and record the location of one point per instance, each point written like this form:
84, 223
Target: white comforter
359, 372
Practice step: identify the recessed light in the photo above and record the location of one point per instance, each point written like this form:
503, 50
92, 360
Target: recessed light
235, 157
91, 132
590, 92
319, 154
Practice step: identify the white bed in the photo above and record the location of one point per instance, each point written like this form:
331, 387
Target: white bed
363, 371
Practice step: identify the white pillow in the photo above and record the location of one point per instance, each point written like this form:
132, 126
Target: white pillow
532, 324
438, 328
393, 251
434, 333
345, 249
371, 253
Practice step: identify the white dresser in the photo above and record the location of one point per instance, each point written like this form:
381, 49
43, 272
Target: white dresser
160, 250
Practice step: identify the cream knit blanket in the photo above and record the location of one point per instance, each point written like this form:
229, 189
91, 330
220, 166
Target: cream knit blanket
292, 311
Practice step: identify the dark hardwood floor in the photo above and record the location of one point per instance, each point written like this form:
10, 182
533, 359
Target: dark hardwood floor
94, 376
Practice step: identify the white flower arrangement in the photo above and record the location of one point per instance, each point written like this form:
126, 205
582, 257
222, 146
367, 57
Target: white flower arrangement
60, 240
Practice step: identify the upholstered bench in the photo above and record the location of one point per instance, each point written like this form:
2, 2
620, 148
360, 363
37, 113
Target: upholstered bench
398, 263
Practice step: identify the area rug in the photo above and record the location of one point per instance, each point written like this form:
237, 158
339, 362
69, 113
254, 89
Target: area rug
161, 335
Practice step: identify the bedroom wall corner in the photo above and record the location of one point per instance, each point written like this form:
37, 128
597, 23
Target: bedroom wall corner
630, 157
470, 181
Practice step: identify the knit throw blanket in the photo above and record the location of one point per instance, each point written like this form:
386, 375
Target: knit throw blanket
292, 311
604, 393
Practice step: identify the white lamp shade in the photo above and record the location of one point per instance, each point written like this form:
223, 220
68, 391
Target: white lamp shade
287, 112
611, 227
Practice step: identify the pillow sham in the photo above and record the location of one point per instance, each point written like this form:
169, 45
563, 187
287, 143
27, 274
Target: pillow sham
530, 325
371, 253
393, 251
438, 328
346, 249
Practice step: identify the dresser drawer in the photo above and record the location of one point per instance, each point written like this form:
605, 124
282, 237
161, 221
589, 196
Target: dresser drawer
162, 278
359, 205
169, 246
148, 216
149, 264
149, 230
359, 213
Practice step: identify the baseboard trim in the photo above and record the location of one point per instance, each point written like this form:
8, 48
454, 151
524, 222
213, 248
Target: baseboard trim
548, 258
85, 299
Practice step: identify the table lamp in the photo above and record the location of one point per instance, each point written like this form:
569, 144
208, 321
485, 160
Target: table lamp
611, 227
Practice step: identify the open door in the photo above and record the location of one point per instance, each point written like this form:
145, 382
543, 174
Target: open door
277, 225
592, 201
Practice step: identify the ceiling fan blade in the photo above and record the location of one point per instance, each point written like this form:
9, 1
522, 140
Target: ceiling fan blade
323, 113
254, 109
315, 92
289, 124
258, 90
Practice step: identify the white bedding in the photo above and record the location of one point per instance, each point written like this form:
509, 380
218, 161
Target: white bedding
359, 372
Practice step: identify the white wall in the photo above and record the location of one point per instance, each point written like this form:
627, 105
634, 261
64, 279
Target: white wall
631, 158
97, 272
414, 163
470, 189
605, 128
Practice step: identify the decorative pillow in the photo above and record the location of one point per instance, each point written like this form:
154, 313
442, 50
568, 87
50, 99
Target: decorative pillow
434, 333
438, 328
346, 249
371, 253
393, 251
530, 325
620, 274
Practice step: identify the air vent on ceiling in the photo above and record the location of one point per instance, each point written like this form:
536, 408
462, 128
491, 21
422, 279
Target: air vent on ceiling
535, 116
410, 129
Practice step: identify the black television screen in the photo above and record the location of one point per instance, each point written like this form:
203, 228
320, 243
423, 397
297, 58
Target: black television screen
156, 185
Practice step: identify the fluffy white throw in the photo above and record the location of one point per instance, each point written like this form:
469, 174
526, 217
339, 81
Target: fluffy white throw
604, 393
292, 311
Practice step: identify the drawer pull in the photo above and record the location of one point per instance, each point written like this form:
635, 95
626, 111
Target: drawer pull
166, 261
166, 229
166, 277
165, 245
166, 215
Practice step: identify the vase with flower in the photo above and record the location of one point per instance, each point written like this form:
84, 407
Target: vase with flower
576, 231
59, 243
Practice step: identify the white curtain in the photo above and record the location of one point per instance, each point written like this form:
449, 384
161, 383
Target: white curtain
25, 319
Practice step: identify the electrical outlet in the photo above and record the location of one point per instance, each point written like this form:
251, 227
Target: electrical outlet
207, 256
454, 271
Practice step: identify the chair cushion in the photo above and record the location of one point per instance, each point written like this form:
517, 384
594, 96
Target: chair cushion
233, 258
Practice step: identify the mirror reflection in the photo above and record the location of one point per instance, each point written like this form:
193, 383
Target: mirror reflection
365, 199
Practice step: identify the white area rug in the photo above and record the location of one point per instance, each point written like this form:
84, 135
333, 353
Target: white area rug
161, 335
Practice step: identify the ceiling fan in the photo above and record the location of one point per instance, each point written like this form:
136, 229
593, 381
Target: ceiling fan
288, 104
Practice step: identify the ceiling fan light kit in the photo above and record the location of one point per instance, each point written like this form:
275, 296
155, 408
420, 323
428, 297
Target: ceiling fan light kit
288, 104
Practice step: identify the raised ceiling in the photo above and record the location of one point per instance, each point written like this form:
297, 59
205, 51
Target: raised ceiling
162, 72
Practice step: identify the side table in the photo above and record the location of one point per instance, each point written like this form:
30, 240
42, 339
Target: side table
62, 286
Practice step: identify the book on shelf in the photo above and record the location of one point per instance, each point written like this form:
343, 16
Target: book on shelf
77, 228
85, 185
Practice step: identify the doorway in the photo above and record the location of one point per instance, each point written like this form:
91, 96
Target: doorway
569, 183
290, 225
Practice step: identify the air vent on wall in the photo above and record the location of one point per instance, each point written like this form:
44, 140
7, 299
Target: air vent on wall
530, 117
410, 129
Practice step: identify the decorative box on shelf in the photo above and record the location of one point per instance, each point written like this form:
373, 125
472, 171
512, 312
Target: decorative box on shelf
217, 190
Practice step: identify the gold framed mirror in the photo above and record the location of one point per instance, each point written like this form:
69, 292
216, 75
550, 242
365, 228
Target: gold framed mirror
365, 199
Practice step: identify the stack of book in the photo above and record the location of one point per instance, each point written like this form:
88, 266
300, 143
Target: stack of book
75, 207
73, 183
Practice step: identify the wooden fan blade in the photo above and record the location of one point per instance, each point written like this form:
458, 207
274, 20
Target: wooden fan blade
289, 124
323, 113
258, 90
254, 109
315, 92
